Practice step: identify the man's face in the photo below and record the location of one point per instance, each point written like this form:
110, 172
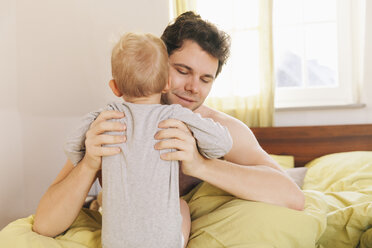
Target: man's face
192, 72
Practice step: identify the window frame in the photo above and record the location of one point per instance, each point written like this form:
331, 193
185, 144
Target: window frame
349, 23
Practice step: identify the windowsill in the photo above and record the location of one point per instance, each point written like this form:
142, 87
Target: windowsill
325, 107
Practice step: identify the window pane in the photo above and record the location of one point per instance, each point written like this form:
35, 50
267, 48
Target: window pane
320, 10
245, 63
229, 14
321, 54
305, 43
222, 84
288, 56
287, 12
239, 18
241, 70
217, 12
245, 13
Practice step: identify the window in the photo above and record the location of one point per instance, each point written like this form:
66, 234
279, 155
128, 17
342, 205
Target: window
315, 55
317, 49
239, 18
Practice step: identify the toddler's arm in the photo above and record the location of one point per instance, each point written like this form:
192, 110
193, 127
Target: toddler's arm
213, 139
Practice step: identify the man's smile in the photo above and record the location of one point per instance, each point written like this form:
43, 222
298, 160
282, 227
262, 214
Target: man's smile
187, 99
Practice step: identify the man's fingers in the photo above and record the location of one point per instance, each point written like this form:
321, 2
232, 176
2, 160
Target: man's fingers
104, 139
107, 151
173, 123
105, 126
177, 155
109, 114
103, 118
172, 133
170, 144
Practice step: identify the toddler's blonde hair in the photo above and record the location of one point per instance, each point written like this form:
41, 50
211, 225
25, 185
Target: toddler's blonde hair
139, 64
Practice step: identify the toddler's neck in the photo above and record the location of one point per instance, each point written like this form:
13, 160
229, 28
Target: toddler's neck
151, 99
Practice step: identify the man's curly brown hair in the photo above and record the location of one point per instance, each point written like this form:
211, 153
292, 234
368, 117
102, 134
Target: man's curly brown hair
190, 26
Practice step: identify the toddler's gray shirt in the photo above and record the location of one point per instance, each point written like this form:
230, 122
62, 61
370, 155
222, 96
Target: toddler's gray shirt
140, 190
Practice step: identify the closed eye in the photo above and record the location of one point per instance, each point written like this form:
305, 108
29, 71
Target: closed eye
207, 80
182, 72
182, 69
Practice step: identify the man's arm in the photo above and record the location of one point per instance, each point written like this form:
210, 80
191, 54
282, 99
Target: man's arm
249, 172
60, 205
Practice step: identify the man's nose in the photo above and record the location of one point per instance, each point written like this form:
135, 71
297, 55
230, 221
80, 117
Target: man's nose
192, 85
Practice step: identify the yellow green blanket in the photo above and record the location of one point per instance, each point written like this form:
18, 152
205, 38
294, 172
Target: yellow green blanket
338, 214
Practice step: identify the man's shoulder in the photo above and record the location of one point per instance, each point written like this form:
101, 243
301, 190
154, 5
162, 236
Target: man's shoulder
244, 141
220, 117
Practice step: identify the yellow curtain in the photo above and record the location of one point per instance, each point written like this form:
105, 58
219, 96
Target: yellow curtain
256, 110
181, 6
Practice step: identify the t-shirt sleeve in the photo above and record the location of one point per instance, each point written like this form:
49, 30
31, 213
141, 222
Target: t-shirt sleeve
74, 146
213, 139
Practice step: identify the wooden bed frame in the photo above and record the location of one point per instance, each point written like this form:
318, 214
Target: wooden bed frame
308, 142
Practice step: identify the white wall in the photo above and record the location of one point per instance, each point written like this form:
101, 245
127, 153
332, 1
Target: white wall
54, 67
12, 197
339, 116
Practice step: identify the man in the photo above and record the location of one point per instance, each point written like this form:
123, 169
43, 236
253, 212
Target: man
196, 56
247, 172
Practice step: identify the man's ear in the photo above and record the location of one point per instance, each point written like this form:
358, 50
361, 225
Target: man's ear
167, 86
114, 88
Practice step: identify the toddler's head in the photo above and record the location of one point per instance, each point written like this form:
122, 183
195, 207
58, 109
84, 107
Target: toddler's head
139, 65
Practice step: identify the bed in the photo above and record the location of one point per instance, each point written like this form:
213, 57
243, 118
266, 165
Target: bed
337, 186
306, 143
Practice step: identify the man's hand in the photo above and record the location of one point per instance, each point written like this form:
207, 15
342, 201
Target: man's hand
95, 138
176, 135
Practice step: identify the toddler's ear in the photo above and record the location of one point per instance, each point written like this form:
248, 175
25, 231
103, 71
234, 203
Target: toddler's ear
114, 88
167, 86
